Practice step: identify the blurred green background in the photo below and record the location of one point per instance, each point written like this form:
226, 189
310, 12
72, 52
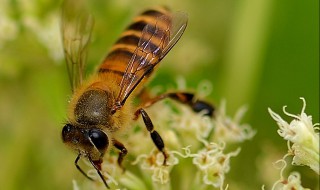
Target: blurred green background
259, 53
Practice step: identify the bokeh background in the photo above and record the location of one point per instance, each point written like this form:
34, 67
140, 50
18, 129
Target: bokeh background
259, 53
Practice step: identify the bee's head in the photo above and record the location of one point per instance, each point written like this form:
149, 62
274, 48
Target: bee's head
90, 141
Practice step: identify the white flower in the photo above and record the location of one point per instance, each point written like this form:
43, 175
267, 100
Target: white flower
303, 135
154, 163
213, 163
293, 182
229, 129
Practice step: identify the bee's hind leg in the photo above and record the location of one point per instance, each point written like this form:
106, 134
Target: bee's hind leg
185, 98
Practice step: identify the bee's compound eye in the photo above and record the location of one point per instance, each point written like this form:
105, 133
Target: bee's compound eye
67, 132
67, 129
99, 138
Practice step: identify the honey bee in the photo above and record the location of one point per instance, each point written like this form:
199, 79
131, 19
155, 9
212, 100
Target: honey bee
102, 104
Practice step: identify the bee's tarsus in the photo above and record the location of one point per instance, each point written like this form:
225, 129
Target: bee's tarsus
166, 156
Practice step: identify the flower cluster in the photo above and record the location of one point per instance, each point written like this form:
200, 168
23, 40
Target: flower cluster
292, 182
303, 144
212, 163
229, 129
195, 151
302, 136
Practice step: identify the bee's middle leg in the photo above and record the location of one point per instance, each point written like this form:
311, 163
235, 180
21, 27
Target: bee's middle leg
155, 136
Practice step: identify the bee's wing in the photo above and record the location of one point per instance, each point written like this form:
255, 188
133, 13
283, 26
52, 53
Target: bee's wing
76, 27
178, 25
155, 42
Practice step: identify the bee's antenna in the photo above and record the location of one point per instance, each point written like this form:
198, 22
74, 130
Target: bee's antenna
98, 170
78, 167
95, 167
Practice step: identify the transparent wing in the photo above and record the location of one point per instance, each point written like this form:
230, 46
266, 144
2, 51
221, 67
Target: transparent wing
76, 27
177, 28
155, 42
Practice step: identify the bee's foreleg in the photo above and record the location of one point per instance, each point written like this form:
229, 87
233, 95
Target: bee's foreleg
123, 152
156, 138
185, 98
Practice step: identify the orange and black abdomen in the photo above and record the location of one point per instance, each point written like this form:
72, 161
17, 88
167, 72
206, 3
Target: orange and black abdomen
123, 50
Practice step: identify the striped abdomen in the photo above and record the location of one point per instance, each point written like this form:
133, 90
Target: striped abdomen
133, 40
